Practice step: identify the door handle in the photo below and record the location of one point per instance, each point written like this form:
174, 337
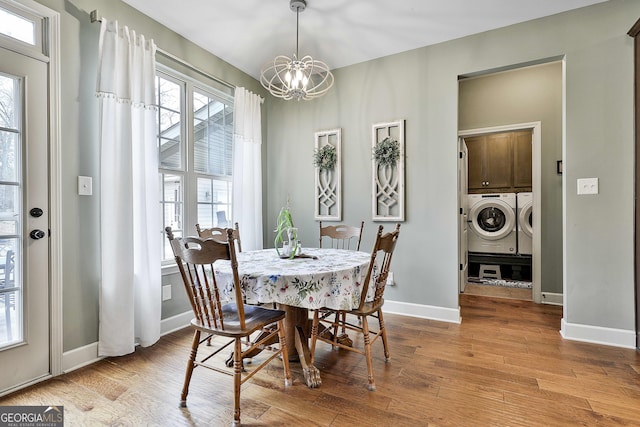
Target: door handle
37, 234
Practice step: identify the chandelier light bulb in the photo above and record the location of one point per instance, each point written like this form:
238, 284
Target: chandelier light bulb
293, 78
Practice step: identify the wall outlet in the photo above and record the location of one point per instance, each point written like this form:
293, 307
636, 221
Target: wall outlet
166, 292
390, 281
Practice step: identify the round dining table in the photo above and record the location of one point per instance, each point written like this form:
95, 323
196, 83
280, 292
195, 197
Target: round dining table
320, 277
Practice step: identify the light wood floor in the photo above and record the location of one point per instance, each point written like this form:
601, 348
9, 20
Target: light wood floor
505, 365
498, 291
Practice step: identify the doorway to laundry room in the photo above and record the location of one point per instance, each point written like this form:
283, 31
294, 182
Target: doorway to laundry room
510, 190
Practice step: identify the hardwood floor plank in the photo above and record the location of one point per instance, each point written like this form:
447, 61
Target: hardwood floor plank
504, 365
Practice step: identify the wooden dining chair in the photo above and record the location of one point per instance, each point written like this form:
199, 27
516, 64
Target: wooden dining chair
220, 234
233, 322
330, 319
342, 236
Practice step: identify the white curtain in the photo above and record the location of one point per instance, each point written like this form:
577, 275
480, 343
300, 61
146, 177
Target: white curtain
130, 288
247, 168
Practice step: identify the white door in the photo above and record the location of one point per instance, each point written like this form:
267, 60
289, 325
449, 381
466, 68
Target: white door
463, 257
24, 221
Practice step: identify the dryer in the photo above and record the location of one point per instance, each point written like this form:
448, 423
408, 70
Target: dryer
492, 223
525, 223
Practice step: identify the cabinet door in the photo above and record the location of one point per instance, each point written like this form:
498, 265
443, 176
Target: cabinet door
522, 160
475, 150
498, 161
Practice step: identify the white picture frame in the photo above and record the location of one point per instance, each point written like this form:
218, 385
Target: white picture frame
387, 181
328, 183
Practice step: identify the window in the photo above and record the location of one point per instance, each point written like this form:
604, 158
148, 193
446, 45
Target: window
21, 30
194, 131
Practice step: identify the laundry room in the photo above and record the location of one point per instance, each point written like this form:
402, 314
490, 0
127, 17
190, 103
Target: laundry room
511, 199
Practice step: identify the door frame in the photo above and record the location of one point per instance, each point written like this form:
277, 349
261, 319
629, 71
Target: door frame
536, 164
51, 55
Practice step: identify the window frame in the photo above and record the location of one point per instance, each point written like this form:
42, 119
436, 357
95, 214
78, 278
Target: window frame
187, 170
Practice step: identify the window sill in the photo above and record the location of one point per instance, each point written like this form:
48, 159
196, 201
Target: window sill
168, 269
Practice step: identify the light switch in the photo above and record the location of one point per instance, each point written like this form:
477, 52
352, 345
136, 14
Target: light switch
588, 186
85, 185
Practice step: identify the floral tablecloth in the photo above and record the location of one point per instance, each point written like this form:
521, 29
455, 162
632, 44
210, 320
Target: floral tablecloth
333, 280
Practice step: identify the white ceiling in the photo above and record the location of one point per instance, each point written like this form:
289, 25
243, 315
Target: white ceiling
248, 33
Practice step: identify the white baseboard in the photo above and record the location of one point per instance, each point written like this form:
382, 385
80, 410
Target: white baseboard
551, 298
88, 354
79, 357
598, 335
175, 323
442, 314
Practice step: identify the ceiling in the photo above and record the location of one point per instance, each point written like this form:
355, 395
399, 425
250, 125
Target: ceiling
249, 33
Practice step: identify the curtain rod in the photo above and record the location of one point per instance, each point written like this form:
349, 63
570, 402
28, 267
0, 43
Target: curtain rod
96, 18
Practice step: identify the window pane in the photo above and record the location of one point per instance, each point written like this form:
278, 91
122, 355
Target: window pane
169, 124
214, 203
9, 205
9, 97
8, 156
17, 27
172, 208
212, 133
10, 292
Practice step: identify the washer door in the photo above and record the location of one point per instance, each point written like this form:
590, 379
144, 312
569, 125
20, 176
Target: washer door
492, 219
526, 219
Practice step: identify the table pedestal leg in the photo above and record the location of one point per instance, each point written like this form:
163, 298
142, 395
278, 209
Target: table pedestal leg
297, 332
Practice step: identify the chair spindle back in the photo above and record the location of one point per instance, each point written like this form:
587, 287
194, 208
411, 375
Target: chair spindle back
342, 236
195, 257
380, 263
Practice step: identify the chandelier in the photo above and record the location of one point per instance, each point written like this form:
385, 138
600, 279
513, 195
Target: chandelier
293, 78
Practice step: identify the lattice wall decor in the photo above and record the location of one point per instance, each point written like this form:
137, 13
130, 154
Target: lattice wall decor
328, 199
388, 171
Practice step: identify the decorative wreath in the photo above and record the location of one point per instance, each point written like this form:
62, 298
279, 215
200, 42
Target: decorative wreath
387, 151
325, 157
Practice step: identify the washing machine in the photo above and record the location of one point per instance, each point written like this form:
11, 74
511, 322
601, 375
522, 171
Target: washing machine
525, 223
492, 223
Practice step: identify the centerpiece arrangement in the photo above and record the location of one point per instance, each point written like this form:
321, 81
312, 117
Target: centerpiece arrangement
285, 228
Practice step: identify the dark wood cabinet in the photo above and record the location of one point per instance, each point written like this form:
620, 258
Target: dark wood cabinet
499, 162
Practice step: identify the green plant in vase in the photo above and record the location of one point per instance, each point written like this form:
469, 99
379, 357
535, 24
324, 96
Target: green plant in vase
285, 228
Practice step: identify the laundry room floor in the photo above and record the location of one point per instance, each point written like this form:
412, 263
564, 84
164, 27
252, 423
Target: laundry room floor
498, 291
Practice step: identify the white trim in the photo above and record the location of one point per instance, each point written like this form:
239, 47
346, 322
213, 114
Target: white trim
536, 163
552, 298
175, 323
598, 335
55, 196
80, 357
51, 45
88, 354
450, 315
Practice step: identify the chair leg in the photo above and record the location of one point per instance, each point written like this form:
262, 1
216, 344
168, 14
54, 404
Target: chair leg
383, 331
284, 354
190, 366
367, 352
237, 378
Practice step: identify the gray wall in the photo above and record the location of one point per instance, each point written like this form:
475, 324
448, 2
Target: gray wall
80, 148
421, 86
520, 96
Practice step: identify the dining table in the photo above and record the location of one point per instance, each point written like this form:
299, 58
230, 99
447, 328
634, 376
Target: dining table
316, 278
